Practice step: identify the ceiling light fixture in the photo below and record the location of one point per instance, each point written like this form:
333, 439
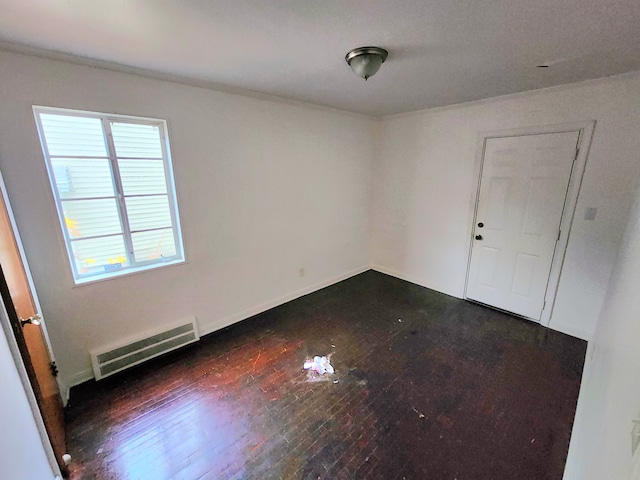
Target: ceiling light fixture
366, 61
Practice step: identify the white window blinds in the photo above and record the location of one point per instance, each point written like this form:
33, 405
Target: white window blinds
112, 181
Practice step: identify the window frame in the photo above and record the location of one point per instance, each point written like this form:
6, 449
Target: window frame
119, 196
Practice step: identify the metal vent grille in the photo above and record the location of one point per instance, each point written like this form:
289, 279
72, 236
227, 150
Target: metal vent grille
115, 358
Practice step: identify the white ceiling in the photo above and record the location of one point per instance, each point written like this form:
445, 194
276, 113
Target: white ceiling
441, 52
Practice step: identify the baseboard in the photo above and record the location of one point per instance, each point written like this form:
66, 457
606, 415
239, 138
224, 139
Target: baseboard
412, 279
73, 380
210, 327
569, 330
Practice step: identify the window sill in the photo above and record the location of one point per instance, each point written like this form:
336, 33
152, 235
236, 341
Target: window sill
125, 272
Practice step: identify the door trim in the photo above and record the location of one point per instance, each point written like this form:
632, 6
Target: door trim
585, 134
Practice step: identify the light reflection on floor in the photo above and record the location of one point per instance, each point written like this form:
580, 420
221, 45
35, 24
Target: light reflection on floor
175, 431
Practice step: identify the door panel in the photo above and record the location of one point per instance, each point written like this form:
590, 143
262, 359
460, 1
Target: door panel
497, 203
20, 303
522, 193
524, 274
489, 261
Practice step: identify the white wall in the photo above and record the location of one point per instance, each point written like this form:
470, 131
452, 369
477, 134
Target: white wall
22, 454
425, 187
610, 391
263, 188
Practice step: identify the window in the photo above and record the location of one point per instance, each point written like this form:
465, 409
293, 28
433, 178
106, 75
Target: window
113, 185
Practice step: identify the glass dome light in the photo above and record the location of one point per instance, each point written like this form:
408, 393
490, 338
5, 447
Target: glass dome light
366, 61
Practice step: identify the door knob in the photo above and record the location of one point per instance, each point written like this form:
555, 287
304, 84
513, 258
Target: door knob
478, 237
35, 320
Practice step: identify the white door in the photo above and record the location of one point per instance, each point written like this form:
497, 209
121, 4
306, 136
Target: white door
522, 195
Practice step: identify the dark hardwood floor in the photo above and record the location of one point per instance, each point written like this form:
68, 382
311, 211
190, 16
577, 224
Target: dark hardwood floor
426, 387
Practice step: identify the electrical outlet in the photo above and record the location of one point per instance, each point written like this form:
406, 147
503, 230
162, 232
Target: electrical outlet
301, 272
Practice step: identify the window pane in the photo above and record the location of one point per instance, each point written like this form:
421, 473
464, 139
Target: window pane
99, 255
153, 245
90, 218
148, 212
73, 136
135, 140
142, 177
82, 177
82, 149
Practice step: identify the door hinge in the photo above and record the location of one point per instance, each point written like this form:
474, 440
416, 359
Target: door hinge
577, 153
54, 369
559, 233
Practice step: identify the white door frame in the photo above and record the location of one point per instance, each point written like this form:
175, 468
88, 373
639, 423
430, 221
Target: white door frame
585, 130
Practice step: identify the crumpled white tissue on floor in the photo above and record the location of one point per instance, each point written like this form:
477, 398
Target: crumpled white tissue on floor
319, 364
